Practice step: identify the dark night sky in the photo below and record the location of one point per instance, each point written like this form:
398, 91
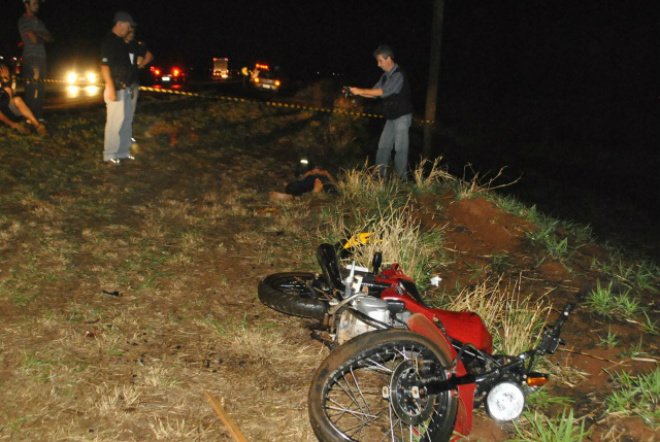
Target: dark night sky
513, 46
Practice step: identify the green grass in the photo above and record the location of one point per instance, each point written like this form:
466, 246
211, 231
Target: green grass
641, 275
563, 428
637, 396
610, 340
605, 301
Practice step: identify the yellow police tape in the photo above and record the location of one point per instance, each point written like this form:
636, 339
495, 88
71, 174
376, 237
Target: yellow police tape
242, 100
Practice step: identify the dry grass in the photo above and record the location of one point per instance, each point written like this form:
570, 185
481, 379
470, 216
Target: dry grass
126, 293
428, 175
477, 185
514, 320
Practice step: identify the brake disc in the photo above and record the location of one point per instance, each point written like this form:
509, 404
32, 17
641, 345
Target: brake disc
410, 404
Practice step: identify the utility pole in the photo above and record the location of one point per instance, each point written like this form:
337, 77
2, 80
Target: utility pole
434, 73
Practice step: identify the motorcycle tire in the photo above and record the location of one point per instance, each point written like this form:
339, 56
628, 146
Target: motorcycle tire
300, 294
362, 391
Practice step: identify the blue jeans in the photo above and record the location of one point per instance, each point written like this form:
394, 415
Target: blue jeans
35, 69
394, 135
117, 141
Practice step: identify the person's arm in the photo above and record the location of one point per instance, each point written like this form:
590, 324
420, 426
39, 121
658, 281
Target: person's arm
393, 86
42, 36
109, 83
367, 93
144, 61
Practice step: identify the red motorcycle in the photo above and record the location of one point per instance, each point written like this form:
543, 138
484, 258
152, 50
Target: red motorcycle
400, 370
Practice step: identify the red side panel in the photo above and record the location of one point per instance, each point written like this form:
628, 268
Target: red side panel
466, 327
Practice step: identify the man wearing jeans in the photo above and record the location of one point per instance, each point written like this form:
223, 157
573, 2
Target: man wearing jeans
394, 88
116, 69
34, 36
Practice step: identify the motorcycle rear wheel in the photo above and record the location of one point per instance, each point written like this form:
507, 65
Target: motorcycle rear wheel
300, 294
362, 391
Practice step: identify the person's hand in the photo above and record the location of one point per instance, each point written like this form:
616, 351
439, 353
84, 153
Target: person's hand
110, 94
22, 129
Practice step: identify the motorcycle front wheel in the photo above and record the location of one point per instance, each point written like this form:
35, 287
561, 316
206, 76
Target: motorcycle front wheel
365, 391
300, 294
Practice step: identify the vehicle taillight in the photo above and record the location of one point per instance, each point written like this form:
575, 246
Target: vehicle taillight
176, 72
277, 83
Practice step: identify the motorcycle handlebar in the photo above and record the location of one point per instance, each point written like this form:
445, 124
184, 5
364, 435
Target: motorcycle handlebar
551, 340
568, 308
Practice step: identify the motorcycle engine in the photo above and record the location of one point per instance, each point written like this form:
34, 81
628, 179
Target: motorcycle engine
350, 324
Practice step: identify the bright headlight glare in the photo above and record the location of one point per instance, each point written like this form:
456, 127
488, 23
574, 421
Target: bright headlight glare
505, 401
91, 77
71, 77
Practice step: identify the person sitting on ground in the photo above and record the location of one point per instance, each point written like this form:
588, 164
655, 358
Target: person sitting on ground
13, 108
309, 178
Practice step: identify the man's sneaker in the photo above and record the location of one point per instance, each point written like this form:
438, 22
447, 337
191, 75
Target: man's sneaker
113, 161
130, 157
133, 140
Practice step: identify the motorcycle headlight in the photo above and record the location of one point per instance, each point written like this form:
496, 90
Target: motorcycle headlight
505, 401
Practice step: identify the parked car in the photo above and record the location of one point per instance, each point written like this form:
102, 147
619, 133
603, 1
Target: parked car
82, 77
174, 74
265, 78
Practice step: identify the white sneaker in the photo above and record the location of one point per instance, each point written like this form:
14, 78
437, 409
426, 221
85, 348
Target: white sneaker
113, 161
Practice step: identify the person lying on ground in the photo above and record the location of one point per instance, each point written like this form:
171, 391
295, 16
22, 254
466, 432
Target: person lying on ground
13, 109
309, 178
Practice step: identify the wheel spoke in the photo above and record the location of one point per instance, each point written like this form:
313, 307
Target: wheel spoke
367, 394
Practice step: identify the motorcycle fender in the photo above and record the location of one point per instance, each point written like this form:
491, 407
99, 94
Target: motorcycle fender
419, 323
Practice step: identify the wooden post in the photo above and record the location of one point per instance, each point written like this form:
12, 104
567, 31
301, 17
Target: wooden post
434, 73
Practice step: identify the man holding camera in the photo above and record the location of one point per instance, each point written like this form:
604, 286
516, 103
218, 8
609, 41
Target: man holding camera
394, 89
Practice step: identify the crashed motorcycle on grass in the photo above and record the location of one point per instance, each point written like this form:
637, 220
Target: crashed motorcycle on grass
400, 370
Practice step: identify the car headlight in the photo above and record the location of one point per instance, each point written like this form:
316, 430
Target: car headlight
91, 77
71, 77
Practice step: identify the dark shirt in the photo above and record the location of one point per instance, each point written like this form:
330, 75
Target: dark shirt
114, 54
306, 184
397, 100
137, 49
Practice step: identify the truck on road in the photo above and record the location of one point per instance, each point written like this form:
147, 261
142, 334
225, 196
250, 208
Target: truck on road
220, 68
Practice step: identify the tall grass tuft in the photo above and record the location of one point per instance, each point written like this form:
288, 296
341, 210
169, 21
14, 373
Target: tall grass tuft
397, 234
514, 322
637, 395
428, 175
476, 186
540, 428
364, 186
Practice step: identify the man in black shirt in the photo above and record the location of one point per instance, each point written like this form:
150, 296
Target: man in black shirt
116, 70
141, 56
